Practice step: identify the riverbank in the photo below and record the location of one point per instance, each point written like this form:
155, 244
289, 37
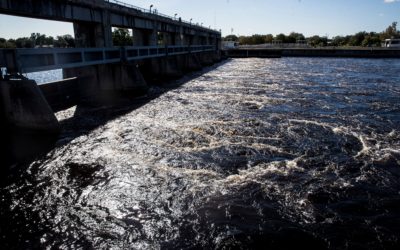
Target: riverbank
313, 52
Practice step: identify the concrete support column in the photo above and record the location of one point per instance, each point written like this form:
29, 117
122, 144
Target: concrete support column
153, 38
28, 124
138, 37
88, 34
179, 37
195, 40
186, 40
209, 40
219, 43
214, 42
169, 39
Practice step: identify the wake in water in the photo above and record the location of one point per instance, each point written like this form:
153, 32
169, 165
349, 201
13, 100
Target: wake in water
256, 153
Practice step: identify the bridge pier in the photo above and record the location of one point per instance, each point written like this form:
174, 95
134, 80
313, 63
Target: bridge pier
90, 34
27, 123
144, 37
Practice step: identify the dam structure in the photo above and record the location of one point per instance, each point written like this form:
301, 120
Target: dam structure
95, 71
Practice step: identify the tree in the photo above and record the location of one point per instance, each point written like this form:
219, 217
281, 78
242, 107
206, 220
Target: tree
390, 32
24, 42
357, 39
317, 41
121, 37
245, 40
294, 37
281, 37
231, 38
70, 40
269, 38
257, 39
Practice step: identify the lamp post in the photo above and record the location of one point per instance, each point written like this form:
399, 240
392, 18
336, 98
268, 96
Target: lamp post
151, 6
175, 16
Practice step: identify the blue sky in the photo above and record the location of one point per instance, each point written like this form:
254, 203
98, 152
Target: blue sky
246, 17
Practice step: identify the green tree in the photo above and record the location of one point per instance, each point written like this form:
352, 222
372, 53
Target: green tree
70, 40
245, 40
317, 41
281, 37
257, 39
294, 37
121, 37
231, 38
269, 38
390, 32
24, 42
357, 39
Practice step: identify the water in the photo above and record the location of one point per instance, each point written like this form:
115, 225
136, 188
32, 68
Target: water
45, 76
271, 153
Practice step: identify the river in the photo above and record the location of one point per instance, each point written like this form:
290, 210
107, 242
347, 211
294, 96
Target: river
254, 153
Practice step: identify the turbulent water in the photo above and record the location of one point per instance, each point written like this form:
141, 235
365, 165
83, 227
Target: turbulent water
267, 153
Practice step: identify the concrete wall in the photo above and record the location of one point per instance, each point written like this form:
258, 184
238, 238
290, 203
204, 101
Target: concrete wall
108, 83
62, 94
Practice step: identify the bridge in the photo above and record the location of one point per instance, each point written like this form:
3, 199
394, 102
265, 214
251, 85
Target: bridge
95, 71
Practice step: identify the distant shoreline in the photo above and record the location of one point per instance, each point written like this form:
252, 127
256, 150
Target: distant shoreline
339, 52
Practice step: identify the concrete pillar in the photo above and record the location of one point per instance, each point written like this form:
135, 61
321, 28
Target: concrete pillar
139, 37
153, 38
186, 40
178, 39
197, 40
90, 34
28, 125
169, 38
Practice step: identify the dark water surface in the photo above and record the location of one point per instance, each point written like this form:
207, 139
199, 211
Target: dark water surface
261, 153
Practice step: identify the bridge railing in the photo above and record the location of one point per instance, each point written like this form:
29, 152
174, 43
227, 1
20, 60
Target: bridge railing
42, 59
154, 12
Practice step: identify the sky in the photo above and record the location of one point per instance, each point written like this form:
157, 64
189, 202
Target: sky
246, 17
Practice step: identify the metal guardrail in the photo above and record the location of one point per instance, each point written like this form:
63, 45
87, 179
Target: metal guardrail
155, 12
42, 59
